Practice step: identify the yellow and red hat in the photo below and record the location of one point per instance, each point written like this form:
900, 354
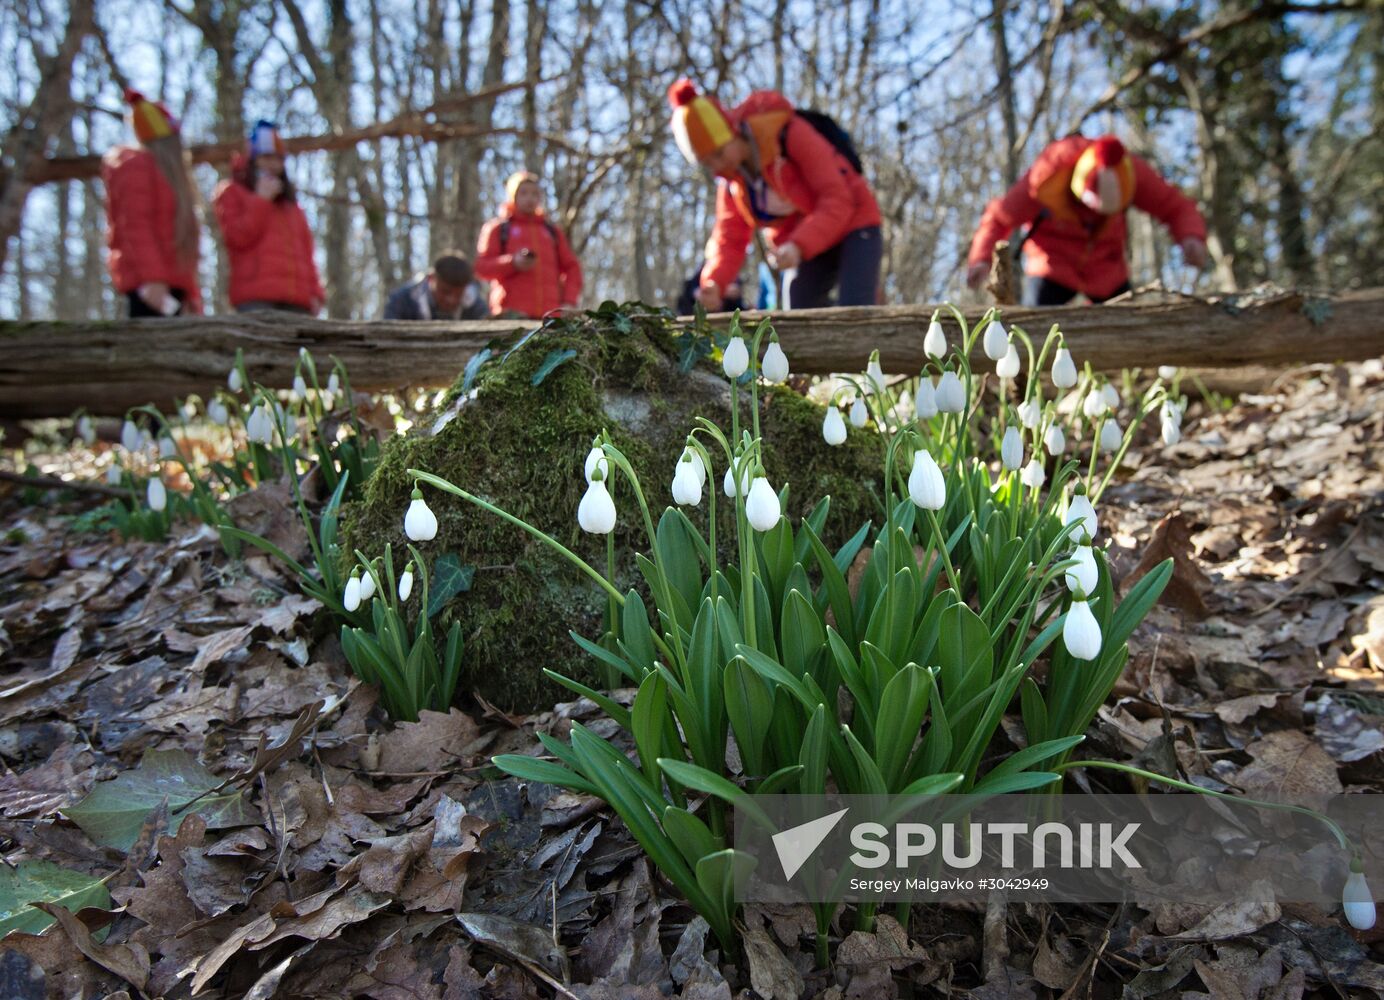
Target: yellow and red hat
517, 178
1103, 178
151, 120
700, 125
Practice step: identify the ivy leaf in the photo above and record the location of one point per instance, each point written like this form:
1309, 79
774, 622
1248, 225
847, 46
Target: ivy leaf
449, 578
556, 358
1317, 311
44, 882
114, 812
473, 368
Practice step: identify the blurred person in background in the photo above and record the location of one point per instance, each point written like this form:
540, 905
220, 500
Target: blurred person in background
526, 257
445, 291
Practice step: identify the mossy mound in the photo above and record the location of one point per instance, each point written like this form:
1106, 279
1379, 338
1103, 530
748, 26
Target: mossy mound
522, 446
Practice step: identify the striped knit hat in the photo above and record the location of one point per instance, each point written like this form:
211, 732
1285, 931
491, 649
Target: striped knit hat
700, 125
264, 140
150, 120
1103, 178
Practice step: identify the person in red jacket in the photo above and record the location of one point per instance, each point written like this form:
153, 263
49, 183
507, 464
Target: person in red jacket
526, 257
775, 170
151, 215
267, 236
1073, 199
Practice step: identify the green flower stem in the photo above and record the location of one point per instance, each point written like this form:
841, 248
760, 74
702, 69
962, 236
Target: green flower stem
946, 556
710, 486
1139, 418
763, 328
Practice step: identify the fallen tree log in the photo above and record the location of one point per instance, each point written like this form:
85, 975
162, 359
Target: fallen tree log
52, 369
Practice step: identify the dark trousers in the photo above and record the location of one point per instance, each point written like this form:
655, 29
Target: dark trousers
1039, 291
256, 305
140, 309
853, 264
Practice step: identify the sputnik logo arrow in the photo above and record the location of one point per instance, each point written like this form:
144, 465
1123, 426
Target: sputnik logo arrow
796, 844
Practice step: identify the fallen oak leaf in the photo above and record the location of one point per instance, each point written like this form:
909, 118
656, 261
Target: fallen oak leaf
523, 942
1172, 539
128, 961
267, 758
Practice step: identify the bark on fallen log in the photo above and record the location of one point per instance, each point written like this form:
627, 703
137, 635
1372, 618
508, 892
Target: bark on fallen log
52, 369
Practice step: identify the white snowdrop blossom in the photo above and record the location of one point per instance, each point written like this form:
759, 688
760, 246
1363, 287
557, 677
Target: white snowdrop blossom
1110, 435
406, 583
334, 384
595, 459
167, 448
1011, 448
217, 413
1033, 474
775, 363
420, 523
156, 494
860, 413
1063, 369
1081, 632
300, 388
1080, 509
1094, 404
1008, 366
874, 374
927, 488
728, 481
1054, 440
1167, 372
129, 436
85, 430
736, 358
596, 512
996, 340
1111, 395
1358, 901
350, 600
1171, 411
234, 381
260, 427
1030, 413
925, 405
1170, 432
834, 426
951, 395
762, 505
935, 342
114, 475
367, 585
146, 440
698, 466
687, 488
1083, 576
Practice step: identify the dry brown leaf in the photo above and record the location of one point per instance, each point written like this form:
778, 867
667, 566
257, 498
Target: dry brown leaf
436, 742
1172, 539
128, 961
1290, 766
772, 975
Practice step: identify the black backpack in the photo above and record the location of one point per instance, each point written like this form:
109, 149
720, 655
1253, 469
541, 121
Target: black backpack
831, 131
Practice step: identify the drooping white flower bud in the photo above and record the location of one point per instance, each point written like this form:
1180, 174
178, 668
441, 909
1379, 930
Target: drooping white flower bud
350, 600
996, 340
1111, 436
303, 354
1167, 372
406, 583
114, 475
260, 426
1080, 509
129, 437
1170, 432
762, 505
874, 374
596, 512
1110, 395
85, 430
1033, 474
736, 358
695, 457
860, 413
951, 395
217, 413
1054, 440
300, 388
1081, 632
367, 585
420, 523
1008, 366
146, 441
1083, 576
167, 448
1094, 404
334, 384
1030, 413
157, 494
595, 459
234, 382
1358, 901
1011, 448
1063, 369
927, 487
935, 342
775, 364
728, 481
834, 426
687, 488
925, 404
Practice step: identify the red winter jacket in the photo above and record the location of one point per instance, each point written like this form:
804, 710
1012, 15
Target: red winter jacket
1074, 246
140, 213
553, 282
828, 197
269, 246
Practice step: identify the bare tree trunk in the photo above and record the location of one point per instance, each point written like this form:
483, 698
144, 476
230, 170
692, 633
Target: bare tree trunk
1005, 74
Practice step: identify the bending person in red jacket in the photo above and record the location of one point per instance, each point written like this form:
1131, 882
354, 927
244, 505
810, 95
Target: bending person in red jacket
1073, 200
267, 236
526, 257
151, 215
775, 170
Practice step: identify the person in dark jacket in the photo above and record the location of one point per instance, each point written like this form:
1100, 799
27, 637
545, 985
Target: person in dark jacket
447, 291
687, 302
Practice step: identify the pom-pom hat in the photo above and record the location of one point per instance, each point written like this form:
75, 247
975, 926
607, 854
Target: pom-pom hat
264, 140
699, 123
150, 120
517, 178
1103, 179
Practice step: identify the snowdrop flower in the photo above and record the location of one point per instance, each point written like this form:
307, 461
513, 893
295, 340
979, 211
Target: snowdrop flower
687, 487
1110, 435
234, 381
350, 600
1111, 395
406, 583
1054, 440
157, 494
1081, 632
217, 413
694, 456
775, 364
996, 340
146, 440
1080, 509
736, 358
167, 449
595, 458
1008, 366
596, 512
1094, 404
300, 388
1358, 901
925, 405
85, 430
1083, 576
1029, 413
833, 426
1170, 432
129, 436
334, 384
290, 424
114, 475
935, 343
367, 585
860, 413
302, 354
1167, 372
420, 523
260, 427
762, 505
1171, 411
926, 486
1033, 475
951, 396
1011, 448
874, 374
728, 482
1063, 369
